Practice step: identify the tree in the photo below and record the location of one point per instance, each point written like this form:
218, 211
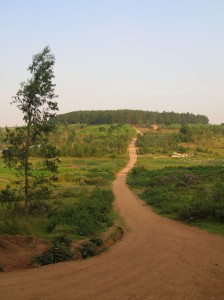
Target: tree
35, 99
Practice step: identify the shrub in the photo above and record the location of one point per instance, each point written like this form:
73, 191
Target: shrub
38, 207
86, 217
218, 193
9, 196
54, 255
61, 240
60, 251
191, 178
197, 210
98, 241
9, 226
88, 249
219, 213
50, 225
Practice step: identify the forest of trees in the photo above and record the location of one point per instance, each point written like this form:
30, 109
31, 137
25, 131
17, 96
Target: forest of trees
125, 116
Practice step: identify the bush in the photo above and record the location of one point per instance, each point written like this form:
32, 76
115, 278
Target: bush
60, 251
88, 249
86, 217
50, 225
218, 193
9, 196
9, 226
98, 241
38, 207
54, 255
219, 213
61, 240
197, 210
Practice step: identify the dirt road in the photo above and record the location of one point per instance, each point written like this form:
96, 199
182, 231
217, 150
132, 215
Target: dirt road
157, 259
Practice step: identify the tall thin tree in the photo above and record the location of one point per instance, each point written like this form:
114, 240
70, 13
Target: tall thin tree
35, 99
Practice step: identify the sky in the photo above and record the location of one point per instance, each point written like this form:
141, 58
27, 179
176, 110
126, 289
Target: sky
154, 55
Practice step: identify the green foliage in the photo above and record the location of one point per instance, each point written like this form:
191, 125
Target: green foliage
126, 116
198, 210
9, 197
9, 226
98, 241
38, 207
88, 249
86, 217
35, 100
199, 132
61, 240
41, 221
92, 141
187, 193
60, 251
159, 142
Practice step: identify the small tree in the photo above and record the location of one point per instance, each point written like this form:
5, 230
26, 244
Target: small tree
35, 99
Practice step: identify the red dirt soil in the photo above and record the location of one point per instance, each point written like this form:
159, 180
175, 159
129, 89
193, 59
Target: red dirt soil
157, 258
16, 252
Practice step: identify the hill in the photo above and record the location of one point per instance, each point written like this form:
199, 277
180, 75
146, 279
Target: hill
125, 116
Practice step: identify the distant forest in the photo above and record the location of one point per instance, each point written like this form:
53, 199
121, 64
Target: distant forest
133, 117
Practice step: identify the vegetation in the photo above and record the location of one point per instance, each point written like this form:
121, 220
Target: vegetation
73, 200
60, 251
35, 100
76, 180
187, 187
159, 142
91, 141
84, 218
126, 116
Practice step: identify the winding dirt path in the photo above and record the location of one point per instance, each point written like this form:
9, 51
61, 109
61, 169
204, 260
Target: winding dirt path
157, 259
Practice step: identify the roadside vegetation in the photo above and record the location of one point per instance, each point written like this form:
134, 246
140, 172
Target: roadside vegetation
180, 173
78, 185
39, 198
78, 202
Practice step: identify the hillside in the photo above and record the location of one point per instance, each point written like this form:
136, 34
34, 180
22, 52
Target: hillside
125, 116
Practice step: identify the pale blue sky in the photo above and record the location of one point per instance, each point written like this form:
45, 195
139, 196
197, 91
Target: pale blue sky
113, 54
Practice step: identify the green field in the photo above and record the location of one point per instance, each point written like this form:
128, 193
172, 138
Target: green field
80, 200
179, 173
181, 176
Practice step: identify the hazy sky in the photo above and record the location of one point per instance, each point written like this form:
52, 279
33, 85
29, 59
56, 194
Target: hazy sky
113, 54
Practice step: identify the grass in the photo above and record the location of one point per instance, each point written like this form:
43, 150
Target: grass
67, 191
186, 188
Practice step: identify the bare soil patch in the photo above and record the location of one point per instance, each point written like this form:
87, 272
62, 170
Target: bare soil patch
16, 252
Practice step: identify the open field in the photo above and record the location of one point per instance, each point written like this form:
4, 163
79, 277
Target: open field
78, 202
77, 179
183, 180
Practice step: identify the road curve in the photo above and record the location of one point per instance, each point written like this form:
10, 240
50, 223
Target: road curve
157, 259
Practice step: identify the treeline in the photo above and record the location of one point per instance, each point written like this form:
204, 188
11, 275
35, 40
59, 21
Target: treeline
140, 117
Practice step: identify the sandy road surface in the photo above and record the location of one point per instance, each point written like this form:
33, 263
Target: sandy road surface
157, 259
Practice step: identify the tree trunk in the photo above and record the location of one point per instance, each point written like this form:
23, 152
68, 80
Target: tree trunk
26, 167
